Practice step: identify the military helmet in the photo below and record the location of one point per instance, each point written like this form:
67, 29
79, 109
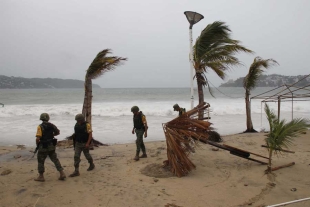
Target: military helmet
134, 109
44, 117
176, 106
80, 117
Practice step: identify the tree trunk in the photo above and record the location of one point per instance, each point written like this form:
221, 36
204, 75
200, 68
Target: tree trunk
249, 124
269, 162
200, 94
87, 99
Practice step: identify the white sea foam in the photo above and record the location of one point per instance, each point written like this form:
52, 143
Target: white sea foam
112, 118
114, 109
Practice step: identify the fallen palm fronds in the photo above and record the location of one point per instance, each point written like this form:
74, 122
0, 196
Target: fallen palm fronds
68, 142
182, 134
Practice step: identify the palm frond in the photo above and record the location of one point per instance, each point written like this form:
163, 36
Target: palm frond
255, 71
103, 63
182, 134
215, 50
211, 35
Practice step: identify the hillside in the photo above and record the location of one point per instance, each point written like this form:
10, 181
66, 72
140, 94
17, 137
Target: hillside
273, 80
26, 83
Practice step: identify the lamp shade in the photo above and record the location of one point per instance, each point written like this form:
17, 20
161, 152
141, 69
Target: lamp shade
193, 17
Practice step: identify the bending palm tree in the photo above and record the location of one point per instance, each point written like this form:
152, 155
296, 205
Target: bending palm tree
281, 134
214, 49
101, 64
249, 83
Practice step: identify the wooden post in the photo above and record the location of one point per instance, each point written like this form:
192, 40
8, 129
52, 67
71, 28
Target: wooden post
279, 106
282, 166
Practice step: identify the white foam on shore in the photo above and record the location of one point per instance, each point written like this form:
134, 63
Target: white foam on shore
117, 129
115, 109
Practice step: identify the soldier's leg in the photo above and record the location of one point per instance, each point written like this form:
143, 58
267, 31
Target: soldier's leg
55, 160
77, 159
89, 159
139, 134
142, 146
41, 159
53, 156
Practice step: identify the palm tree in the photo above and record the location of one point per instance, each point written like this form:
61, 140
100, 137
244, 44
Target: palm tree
101, 64
249, 83
214, 49
281, 133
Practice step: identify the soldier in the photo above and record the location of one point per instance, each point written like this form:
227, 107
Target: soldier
46, 144
82, 139
140, 127
181, 111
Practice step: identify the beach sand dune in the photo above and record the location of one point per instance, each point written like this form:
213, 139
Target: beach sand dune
220, 179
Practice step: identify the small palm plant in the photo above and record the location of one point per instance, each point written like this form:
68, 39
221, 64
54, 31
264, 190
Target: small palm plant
281, 133
249, 83
101, 64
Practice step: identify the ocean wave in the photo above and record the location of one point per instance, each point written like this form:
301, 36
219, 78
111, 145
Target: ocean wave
114, 109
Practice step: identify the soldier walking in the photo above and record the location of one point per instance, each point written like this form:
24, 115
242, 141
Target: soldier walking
139, 127
82, 138
46, 144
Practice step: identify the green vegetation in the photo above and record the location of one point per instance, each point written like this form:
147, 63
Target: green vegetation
249, 83
281, 133
100, 65
215, 50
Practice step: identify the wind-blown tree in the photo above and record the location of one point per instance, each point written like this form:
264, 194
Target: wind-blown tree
281, 133
249, 83
214, 50
100, 65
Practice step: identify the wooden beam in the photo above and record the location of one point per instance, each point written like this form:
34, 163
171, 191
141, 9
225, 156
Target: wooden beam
282, 166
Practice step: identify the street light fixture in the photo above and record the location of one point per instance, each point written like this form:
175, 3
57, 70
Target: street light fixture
193, 18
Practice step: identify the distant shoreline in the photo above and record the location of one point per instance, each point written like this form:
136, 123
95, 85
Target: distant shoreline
12, 82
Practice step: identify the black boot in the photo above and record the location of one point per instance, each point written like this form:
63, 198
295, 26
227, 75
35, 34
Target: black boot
91, 166
137, 156
143, 155
75, 173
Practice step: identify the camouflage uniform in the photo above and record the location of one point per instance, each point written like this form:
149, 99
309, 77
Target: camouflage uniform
42, 155
82, 136
181, 111
140, 128
46, 147
79, 148
139, 141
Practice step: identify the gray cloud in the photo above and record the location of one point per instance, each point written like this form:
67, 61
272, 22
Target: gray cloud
56, 38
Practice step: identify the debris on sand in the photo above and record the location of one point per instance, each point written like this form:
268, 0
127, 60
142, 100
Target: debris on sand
6, 172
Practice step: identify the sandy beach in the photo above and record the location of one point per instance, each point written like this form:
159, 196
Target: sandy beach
220, 179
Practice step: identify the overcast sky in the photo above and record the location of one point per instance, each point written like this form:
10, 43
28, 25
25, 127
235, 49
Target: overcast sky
60, 38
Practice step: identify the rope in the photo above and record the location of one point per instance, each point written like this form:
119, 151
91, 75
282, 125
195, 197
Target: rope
222, 92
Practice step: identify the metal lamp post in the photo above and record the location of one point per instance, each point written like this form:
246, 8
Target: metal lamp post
193, 18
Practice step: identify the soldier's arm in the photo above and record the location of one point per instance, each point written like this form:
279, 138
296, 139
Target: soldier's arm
38, 134
145, 125
90, 134
56, 131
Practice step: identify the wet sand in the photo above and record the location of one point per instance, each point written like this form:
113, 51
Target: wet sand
220, 179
